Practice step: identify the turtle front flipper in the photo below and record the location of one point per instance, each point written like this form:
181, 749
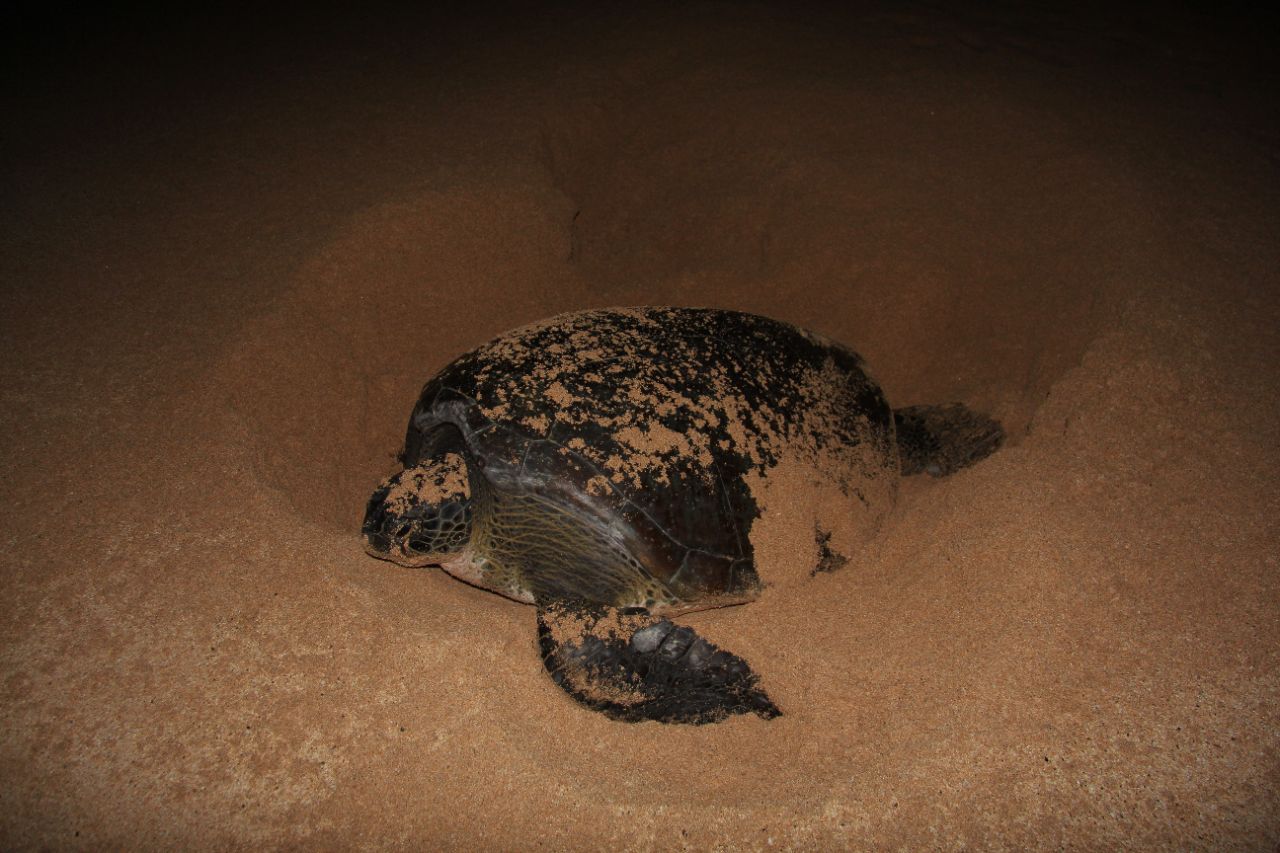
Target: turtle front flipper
635, 667
940, 440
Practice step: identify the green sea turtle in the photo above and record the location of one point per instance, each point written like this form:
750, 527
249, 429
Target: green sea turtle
610, 467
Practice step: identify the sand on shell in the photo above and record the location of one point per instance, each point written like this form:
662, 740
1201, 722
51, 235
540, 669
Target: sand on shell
232, 255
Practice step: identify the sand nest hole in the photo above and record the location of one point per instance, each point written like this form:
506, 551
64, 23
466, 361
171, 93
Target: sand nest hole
976, 274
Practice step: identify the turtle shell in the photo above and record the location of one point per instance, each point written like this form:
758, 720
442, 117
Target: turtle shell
658, 421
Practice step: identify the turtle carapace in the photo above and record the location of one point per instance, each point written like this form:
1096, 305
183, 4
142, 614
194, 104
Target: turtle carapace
600, 466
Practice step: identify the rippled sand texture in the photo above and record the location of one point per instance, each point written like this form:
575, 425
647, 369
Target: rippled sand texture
235, 247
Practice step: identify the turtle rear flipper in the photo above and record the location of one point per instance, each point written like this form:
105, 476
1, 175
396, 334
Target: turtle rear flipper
638, 667
940, 440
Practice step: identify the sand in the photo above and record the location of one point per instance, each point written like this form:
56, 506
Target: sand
234, 247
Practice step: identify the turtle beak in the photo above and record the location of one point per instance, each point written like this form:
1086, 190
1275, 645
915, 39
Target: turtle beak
376, 521
387, 530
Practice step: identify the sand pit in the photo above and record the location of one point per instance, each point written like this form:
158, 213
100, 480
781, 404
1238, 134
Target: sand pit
232, 261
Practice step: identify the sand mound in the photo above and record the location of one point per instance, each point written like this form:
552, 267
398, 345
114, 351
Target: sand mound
674, 194
325, 379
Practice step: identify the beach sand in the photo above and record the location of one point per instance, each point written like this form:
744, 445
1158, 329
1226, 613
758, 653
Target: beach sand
236, 246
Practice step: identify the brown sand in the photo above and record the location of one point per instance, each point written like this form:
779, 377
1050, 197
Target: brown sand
235, 248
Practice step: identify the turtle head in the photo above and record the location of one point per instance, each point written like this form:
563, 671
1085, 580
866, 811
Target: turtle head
422, 515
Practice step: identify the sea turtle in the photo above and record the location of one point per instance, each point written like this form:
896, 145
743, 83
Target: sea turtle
608, 467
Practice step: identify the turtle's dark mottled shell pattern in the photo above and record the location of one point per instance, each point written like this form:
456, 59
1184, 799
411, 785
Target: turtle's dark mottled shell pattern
655, 420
